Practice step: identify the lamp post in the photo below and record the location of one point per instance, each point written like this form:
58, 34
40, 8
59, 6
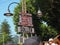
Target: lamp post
3, 38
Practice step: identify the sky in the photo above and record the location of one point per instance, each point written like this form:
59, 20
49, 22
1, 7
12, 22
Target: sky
3, 9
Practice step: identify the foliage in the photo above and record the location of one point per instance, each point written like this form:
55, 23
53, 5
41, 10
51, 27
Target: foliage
5, 32
47, 32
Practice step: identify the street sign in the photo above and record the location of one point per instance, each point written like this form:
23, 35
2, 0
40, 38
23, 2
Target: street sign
25, 20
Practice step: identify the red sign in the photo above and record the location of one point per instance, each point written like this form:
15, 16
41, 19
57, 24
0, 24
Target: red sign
26, 20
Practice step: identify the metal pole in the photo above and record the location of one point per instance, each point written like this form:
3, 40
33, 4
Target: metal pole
11, 4
19, 39
23, 37
3, 39
31, 34
24, 6
27, 36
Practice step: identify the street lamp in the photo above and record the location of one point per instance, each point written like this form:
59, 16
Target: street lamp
39, 13
8, 13
3, 38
